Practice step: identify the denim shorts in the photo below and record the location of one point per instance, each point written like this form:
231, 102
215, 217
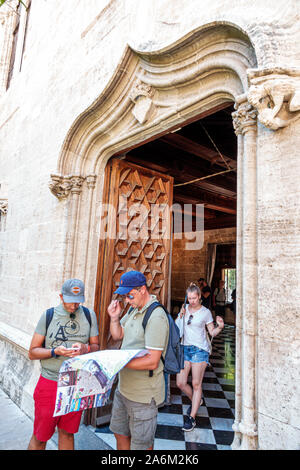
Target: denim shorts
195, 354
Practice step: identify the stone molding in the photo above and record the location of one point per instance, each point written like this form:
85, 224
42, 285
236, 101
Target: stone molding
62, 186
275, 93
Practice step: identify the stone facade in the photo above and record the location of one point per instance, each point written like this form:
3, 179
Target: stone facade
94, 77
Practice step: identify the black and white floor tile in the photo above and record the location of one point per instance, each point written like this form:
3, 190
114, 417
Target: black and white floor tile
216, 415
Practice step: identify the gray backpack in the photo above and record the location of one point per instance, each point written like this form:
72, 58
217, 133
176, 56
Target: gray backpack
174, 359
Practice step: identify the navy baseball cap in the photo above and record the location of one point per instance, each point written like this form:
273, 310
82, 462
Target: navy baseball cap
129, 281
73, 291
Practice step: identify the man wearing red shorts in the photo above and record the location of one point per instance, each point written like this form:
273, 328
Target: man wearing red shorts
69, 328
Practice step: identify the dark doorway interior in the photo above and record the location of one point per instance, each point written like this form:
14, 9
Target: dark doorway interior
196, 150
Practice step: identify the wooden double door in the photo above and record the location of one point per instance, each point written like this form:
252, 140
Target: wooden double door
135, 234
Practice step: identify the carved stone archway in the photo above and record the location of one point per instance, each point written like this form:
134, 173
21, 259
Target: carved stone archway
149, 95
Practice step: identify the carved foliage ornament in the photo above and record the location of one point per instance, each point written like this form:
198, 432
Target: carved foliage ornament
244, 117
3, 206
275, 93
62, 186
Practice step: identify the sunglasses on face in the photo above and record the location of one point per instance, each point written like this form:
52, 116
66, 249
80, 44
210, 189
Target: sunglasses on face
129, 296
190, 320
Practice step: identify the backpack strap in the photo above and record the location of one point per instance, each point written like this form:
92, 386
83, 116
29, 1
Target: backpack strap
147, 315
49, 316
87, 315
150, 309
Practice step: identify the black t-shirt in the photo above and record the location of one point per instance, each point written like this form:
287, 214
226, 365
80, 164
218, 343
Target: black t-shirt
206, 301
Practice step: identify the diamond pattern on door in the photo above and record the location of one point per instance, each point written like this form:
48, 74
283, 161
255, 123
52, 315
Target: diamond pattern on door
139, 218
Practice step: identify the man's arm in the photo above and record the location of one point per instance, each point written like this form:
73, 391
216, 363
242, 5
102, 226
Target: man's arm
114, 311
38, 351
148, 362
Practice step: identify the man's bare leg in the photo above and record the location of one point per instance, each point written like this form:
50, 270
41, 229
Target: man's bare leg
123, 442
35, 444
65, 440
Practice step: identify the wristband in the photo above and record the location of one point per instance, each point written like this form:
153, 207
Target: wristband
53, 353
89, 348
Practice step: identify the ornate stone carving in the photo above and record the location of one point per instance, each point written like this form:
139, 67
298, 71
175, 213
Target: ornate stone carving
275, 93
244, 117
141, 96
3, 206
60, 186
91, 181
76, 184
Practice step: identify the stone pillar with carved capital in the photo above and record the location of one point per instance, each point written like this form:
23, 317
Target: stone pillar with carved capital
91, 183
76, 182
239, 278
245, 427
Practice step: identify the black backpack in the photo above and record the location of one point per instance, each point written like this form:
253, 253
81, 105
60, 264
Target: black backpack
50, 313
174, 360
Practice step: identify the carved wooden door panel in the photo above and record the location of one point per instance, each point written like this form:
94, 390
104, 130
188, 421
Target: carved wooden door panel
135, 234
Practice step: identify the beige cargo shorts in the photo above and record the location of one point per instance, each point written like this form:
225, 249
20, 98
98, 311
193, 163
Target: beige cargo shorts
135, 420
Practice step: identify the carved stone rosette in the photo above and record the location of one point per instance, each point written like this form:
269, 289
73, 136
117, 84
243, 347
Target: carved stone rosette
275, 93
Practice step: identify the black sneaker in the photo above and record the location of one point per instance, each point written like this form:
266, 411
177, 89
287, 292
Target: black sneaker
189, 424
189, 410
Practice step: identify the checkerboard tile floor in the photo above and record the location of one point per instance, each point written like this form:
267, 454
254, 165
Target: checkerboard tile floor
214, 418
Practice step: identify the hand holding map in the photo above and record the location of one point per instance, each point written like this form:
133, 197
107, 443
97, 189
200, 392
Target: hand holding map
85, 381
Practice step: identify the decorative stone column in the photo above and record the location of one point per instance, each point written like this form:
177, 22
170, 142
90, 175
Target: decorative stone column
91, 183
64, 187
75, 191
239, 278
245, 427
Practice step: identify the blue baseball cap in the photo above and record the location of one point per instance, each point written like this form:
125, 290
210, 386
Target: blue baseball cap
129, 281
73, 291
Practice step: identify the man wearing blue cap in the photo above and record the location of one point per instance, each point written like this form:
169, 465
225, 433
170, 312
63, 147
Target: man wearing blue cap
65, 331
136, 401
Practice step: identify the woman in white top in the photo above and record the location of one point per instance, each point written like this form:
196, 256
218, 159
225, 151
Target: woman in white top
193, 321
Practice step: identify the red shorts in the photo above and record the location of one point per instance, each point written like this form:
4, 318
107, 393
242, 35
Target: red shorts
44, 422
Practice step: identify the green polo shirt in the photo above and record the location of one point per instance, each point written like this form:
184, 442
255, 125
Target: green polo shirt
64, 331
136, 385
